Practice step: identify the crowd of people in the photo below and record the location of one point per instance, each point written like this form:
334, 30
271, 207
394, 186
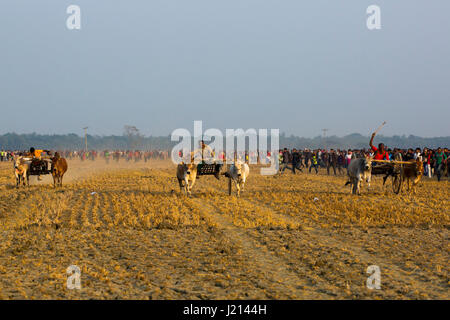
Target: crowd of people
436, 161
117, 155
335, 161
6, 155
107, 155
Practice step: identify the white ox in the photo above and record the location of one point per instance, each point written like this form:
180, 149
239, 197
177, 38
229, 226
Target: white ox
237, 172
359, 169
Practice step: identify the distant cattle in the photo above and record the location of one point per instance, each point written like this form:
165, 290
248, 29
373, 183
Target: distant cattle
186, 175
413, 173
359, 169
22, 171
59, 168
238, 172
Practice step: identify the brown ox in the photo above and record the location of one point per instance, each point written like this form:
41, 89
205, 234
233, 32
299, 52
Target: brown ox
59, 167
413, 173
186, 175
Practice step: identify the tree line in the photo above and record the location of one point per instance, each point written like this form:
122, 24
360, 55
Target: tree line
130, 141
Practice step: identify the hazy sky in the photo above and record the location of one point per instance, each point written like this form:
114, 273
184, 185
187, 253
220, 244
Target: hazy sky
299, 66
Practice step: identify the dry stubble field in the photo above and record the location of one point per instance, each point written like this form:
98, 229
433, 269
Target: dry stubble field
138, 238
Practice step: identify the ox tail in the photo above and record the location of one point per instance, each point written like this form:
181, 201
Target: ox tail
348, 182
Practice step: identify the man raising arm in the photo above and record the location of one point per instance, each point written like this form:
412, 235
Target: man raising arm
380, 153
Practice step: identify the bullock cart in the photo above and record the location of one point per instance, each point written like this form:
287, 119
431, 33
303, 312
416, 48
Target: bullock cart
208, 169
38, 166
392, 168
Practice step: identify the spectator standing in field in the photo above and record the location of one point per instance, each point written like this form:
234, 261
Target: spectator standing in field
409, 155
323, 159
286, 158
426, 162
314, 163
341, 159
4, 155
307, 157
432, 162
390, 155
417, 154
332, 161
302, 159
439, 160
280, 160
348, 158
295, 160
107, 156
447, 162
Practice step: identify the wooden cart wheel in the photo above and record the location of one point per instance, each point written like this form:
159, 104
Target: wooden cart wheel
396, 183
398, 177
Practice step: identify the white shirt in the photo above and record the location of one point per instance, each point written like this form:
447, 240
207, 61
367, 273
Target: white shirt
207, 154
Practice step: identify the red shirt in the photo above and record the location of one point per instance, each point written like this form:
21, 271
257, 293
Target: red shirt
380, 156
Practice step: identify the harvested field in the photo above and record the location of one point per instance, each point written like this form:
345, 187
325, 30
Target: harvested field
303, 236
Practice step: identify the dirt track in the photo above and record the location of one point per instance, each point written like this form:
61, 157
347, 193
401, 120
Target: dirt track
137, 237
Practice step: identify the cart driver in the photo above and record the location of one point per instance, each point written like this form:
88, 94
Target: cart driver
207, 155
380, 153
37, 158
38, 153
